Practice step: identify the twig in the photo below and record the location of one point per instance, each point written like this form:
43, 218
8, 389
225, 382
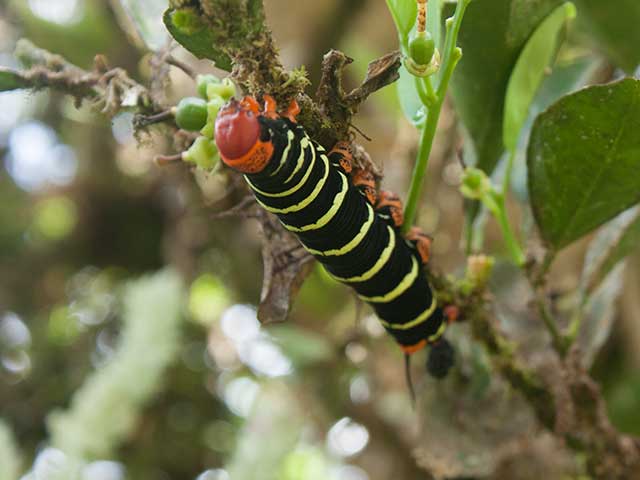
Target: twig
171, 60
165, 160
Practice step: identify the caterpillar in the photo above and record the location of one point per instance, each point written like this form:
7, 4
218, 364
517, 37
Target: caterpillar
340, 218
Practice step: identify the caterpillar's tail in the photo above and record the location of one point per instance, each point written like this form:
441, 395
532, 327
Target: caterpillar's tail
441, 358
409, 380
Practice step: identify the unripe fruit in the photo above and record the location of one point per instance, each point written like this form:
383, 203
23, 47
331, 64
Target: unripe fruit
208, 130
421, 48
202, 81
191, 113
226, 90
475, 183
213, 107
203, 153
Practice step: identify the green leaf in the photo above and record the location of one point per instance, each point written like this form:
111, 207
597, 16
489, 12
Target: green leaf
599, 315
529, 72
9, 80
410, 102
404, 14
583, 160
434, 21
492, 36
185, 25
566, 77
614, 242
146, 17
613, 26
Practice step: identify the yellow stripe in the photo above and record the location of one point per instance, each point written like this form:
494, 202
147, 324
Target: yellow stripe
439, 333
292, 189
424, 316
353, 243
304, 143
326, 218
402, 287
384, 257
285, 153
312, 196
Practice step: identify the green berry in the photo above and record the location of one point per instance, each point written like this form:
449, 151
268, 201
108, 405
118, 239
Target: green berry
475, 183
208, 130
421, 48
202, 81
226, 90
191, 114
213, 107
203, 153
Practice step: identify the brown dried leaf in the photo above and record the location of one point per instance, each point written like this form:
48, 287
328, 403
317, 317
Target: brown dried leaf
380, 73
286, 265
338, 106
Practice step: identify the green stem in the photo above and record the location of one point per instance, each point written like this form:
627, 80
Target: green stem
425, 91
494, 201
422, 92
433, 101
451, 51
429, 86
420, 168
559, 341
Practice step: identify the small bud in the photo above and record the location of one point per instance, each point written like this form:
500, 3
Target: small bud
225, 90
423, 70
422, 48
213, 107
191, 113
202, 81
475, 183
203, 153
208, 130
479, 268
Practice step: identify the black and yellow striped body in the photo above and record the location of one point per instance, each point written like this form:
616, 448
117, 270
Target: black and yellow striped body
313, 196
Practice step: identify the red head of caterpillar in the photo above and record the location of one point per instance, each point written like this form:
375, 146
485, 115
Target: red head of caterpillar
238, 137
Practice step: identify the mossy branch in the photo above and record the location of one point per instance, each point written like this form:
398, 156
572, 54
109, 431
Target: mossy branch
110, 90
567, 401
237, 31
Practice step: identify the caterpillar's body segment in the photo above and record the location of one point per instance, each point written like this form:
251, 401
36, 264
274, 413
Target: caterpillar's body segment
335, 214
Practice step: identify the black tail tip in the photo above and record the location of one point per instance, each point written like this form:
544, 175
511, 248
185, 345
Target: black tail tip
441, 358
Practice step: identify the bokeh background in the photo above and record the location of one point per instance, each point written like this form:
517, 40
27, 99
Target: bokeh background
202, 390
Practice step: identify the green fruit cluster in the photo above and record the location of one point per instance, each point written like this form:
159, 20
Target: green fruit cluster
199, 114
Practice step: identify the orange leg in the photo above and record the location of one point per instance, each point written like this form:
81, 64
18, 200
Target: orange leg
270, 107
451, 313
366, 183
292, 111
250, 103
341, 154
389, 204
422, 241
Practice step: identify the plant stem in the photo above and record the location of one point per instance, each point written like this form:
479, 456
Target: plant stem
425, 91
433, 102
420, 168
559, 341
496, 205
